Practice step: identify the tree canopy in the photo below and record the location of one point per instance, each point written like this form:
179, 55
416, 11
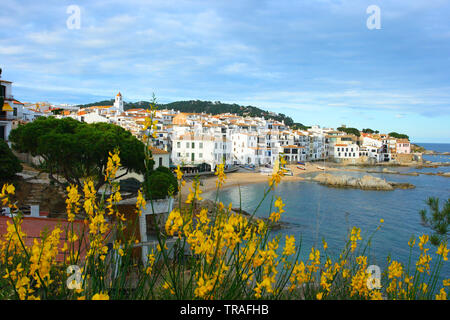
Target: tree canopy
438, 220
350, 131
75, 150
210, 107
398, 135
9, 164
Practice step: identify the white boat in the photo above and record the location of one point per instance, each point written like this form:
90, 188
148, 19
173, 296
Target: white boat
320, 168
265, 170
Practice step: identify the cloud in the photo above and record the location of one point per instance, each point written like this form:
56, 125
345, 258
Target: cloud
45, 37
7, 50
290, 56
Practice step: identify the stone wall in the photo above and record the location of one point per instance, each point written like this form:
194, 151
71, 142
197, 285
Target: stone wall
28, 158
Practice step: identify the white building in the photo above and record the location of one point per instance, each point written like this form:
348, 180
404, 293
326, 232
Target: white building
10, 112
346, 151
195, 150
161, 157
118, 103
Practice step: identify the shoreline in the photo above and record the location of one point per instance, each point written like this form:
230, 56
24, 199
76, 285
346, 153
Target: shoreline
243, 178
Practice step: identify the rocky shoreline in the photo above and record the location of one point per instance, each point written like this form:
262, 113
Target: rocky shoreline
414, 173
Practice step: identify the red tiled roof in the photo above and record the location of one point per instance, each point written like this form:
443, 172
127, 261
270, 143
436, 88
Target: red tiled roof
32, 227
158, 151
292, 147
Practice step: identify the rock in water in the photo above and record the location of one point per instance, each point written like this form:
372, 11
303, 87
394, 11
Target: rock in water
367, 182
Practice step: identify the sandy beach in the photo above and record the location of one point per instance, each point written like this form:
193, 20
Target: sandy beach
242, 178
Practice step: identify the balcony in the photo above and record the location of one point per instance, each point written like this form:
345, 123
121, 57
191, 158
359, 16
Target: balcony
7, 118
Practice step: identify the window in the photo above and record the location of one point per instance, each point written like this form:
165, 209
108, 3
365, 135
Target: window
200, 155
160, 161
193, 145
178, 144
178, 154
201, 145
187, 145
15, 112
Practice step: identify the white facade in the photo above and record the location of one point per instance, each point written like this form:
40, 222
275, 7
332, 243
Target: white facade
343, 151
118, 103
10, 112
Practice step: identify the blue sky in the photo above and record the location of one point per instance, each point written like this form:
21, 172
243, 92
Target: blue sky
315, 61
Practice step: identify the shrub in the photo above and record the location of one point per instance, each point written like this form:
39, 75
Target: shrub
9, 163
160, 184
233, 257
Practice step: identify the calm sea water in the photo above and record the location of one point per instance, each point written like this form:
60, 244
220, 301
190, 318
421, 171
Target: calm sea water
438, 147
317, 212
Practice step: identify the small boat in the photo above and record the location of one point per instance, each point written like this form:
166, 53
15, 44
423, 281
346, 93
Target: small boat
288, 171
265, 170
301, 168
302, 163
320, 168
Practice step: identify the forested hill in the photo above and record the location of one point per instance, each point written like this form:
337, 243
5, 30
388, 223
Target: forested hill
207, 107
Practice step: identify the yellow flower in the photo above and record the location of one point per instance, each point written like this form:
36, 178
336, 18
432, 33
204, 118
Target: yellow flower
424, 262
274, 216
100, 296
411, 242
395, 270
112, 166
376, 295
319, 296
174, 222
7, 191
220, 175
325, 245
140, 203
442, 295
354, 237
424, 287
194, 194
423, 240
443, 251
289, 247
279, 204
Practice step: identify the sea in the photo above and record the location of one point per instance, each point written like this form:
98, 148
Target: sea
315, 212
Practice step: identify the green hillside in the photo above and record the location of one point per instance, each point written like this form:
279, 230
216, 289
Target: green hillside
216, 107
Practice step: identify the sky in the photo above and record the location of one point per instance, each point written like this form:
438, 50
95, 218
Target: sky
315, 61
